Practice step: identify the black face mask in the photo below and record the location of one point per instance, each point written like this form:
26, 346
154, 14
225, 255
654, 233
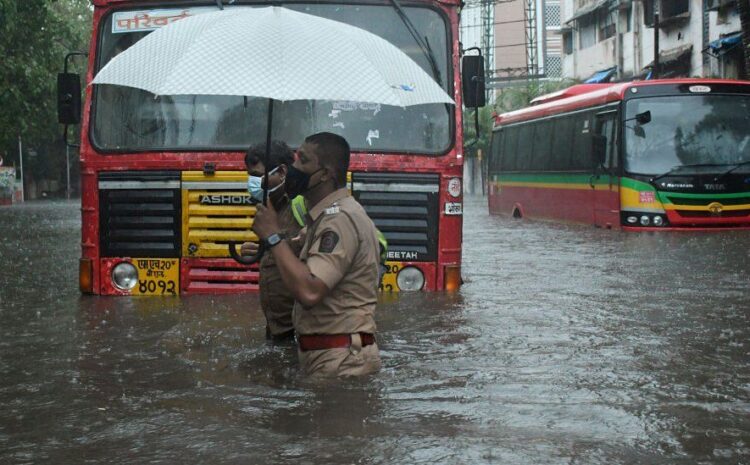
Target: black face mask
297, 181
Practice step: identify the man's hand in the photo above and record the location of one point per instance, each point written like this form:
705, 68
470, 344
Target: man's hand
249, 249
266, 221
299, 239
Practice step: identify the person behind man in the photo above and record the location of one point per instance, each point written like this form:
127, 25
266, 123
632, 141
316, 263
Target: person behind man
335, 278
275, 299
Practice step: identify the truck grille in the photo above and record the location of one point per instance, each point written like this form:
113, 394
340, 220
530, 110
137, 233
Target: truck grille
705, 201
217, 211
139, 214
404, 207
206, 276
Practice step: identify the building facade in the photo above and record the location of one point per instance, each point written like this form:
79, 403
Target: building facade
607, 40
527, 39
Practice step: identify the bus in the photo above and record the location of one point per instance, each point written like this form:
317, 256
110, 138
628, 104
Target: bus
647, 155
164, 187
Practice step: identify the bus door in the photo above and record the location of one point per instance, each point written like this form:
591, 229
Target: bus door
603, 180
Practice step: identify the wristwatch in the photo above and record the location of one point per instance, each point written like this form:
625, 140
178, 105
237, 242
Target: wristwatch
273, 239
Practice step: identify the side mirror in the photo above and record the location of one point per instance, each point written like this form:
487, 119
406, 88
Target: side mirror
598, 150
68, 98
643, 118
472, 75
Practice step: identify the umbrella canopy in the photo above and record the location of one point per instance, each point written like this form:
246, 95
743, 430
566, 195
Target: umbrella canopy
272, 52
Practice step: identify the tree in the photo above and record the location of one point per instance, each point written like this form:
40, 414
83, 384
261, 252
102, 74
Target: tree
36, 35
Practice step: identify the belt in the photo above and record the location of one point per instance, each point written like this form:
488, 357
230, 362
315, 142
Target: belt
331, 341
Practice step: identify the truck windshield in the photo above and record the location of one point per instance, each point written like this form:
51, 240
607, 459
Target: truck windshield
126, 119
688, 134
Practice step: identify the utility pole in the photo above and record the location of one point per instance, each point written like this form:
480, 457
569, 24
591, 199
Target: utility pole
487, 13
67, 170
20, 157
532, 39
655, 71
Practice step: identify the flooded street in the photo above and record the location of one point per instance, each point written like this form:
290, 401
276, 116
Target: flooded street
567, 344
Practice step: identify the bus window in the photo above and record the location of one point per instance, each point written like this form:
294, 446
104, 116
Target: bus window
606, 128
496, 151
542, 159
525, 147
581, 154
510, 148
561, 150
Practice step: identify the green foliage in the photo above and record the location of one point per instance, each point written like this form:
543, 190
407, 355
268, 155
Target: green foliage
35, 36
471, 143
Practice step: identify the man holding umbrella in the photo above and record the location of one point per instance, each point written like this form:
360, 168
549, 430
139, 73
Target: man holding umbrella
334, 280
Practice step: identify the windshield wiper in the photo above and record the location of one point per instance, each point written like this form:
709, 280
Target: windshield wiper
423, 43
729, 171
696, 165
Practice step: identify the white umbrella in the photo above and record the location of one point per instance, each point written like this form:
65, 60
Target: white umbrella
274, 53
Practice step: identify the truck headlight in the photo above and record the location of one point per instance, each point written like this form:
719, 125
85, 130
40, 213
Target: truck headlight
410, 278
124, 276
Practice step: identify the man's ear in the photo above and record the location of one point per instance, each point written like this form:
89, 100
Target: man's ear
283, 170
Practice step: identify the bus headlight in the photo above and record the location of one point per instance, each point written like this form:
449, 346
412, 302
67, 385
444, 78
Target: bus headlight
124, 276
410, 279
645, 220
658, 220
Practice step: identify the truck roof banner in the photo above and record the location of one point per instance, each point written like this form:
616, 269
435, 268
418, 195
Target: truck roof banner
151, 20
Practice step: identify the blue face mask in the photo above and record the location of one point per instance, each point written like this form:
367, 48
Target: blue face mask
255, 188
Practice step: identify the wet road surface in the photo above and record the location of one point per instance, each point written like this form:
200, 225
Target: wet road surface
567, 344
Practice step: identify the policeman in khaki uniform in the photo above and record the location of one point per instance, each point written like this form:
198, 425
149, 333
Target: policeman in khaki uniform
334, 280
275, 299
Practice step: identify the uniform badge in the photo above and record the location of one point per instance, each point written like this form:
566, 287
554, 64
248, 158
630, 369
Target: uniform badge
328, 242
332, 210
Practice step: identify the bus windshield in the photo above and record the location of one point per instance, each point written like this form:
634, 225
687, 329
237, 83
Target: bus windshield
127, 119
687, 134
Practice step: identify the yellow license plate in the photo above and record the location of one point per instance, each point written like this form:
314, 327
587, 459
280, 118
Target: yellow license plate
389, 283
157, 276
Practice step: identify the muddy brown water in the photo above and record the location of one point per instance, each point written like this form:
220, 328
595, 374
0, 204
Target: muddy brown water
567, 344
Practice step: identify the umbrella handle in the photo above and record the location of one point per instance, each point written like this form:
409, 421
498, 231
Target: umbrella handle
261, 246
249, 260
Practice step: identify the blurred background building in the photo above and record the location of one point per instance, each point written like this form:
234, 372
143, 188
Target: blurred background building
603, 40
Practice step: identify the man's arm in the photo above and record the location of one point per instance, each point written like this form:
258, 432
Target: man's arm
304, 286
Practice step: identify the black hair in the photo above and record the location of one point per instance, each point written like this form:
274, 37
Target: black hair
333, 151
280, 154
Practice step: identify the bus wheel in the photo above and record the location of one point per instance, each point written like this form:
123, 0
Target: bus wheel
517, 214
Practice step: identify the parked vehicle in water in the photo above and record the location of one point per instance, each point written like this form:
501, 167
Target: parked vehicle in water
164, 189
647, 155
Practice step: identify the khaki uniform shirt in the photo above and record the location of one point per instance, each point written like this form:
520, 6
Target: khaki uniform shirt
341, 249
276, 300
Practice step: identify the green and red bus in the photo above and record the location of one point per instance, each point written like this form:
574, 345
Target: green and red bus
646, 155
163, 182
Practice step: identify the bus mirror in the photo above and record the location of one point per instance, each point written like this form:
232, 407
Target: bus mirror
643, 118
68, 98
472, 75
598, 149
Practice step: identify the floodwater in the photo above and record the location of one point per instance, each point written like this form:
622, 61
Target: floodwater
567, 344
